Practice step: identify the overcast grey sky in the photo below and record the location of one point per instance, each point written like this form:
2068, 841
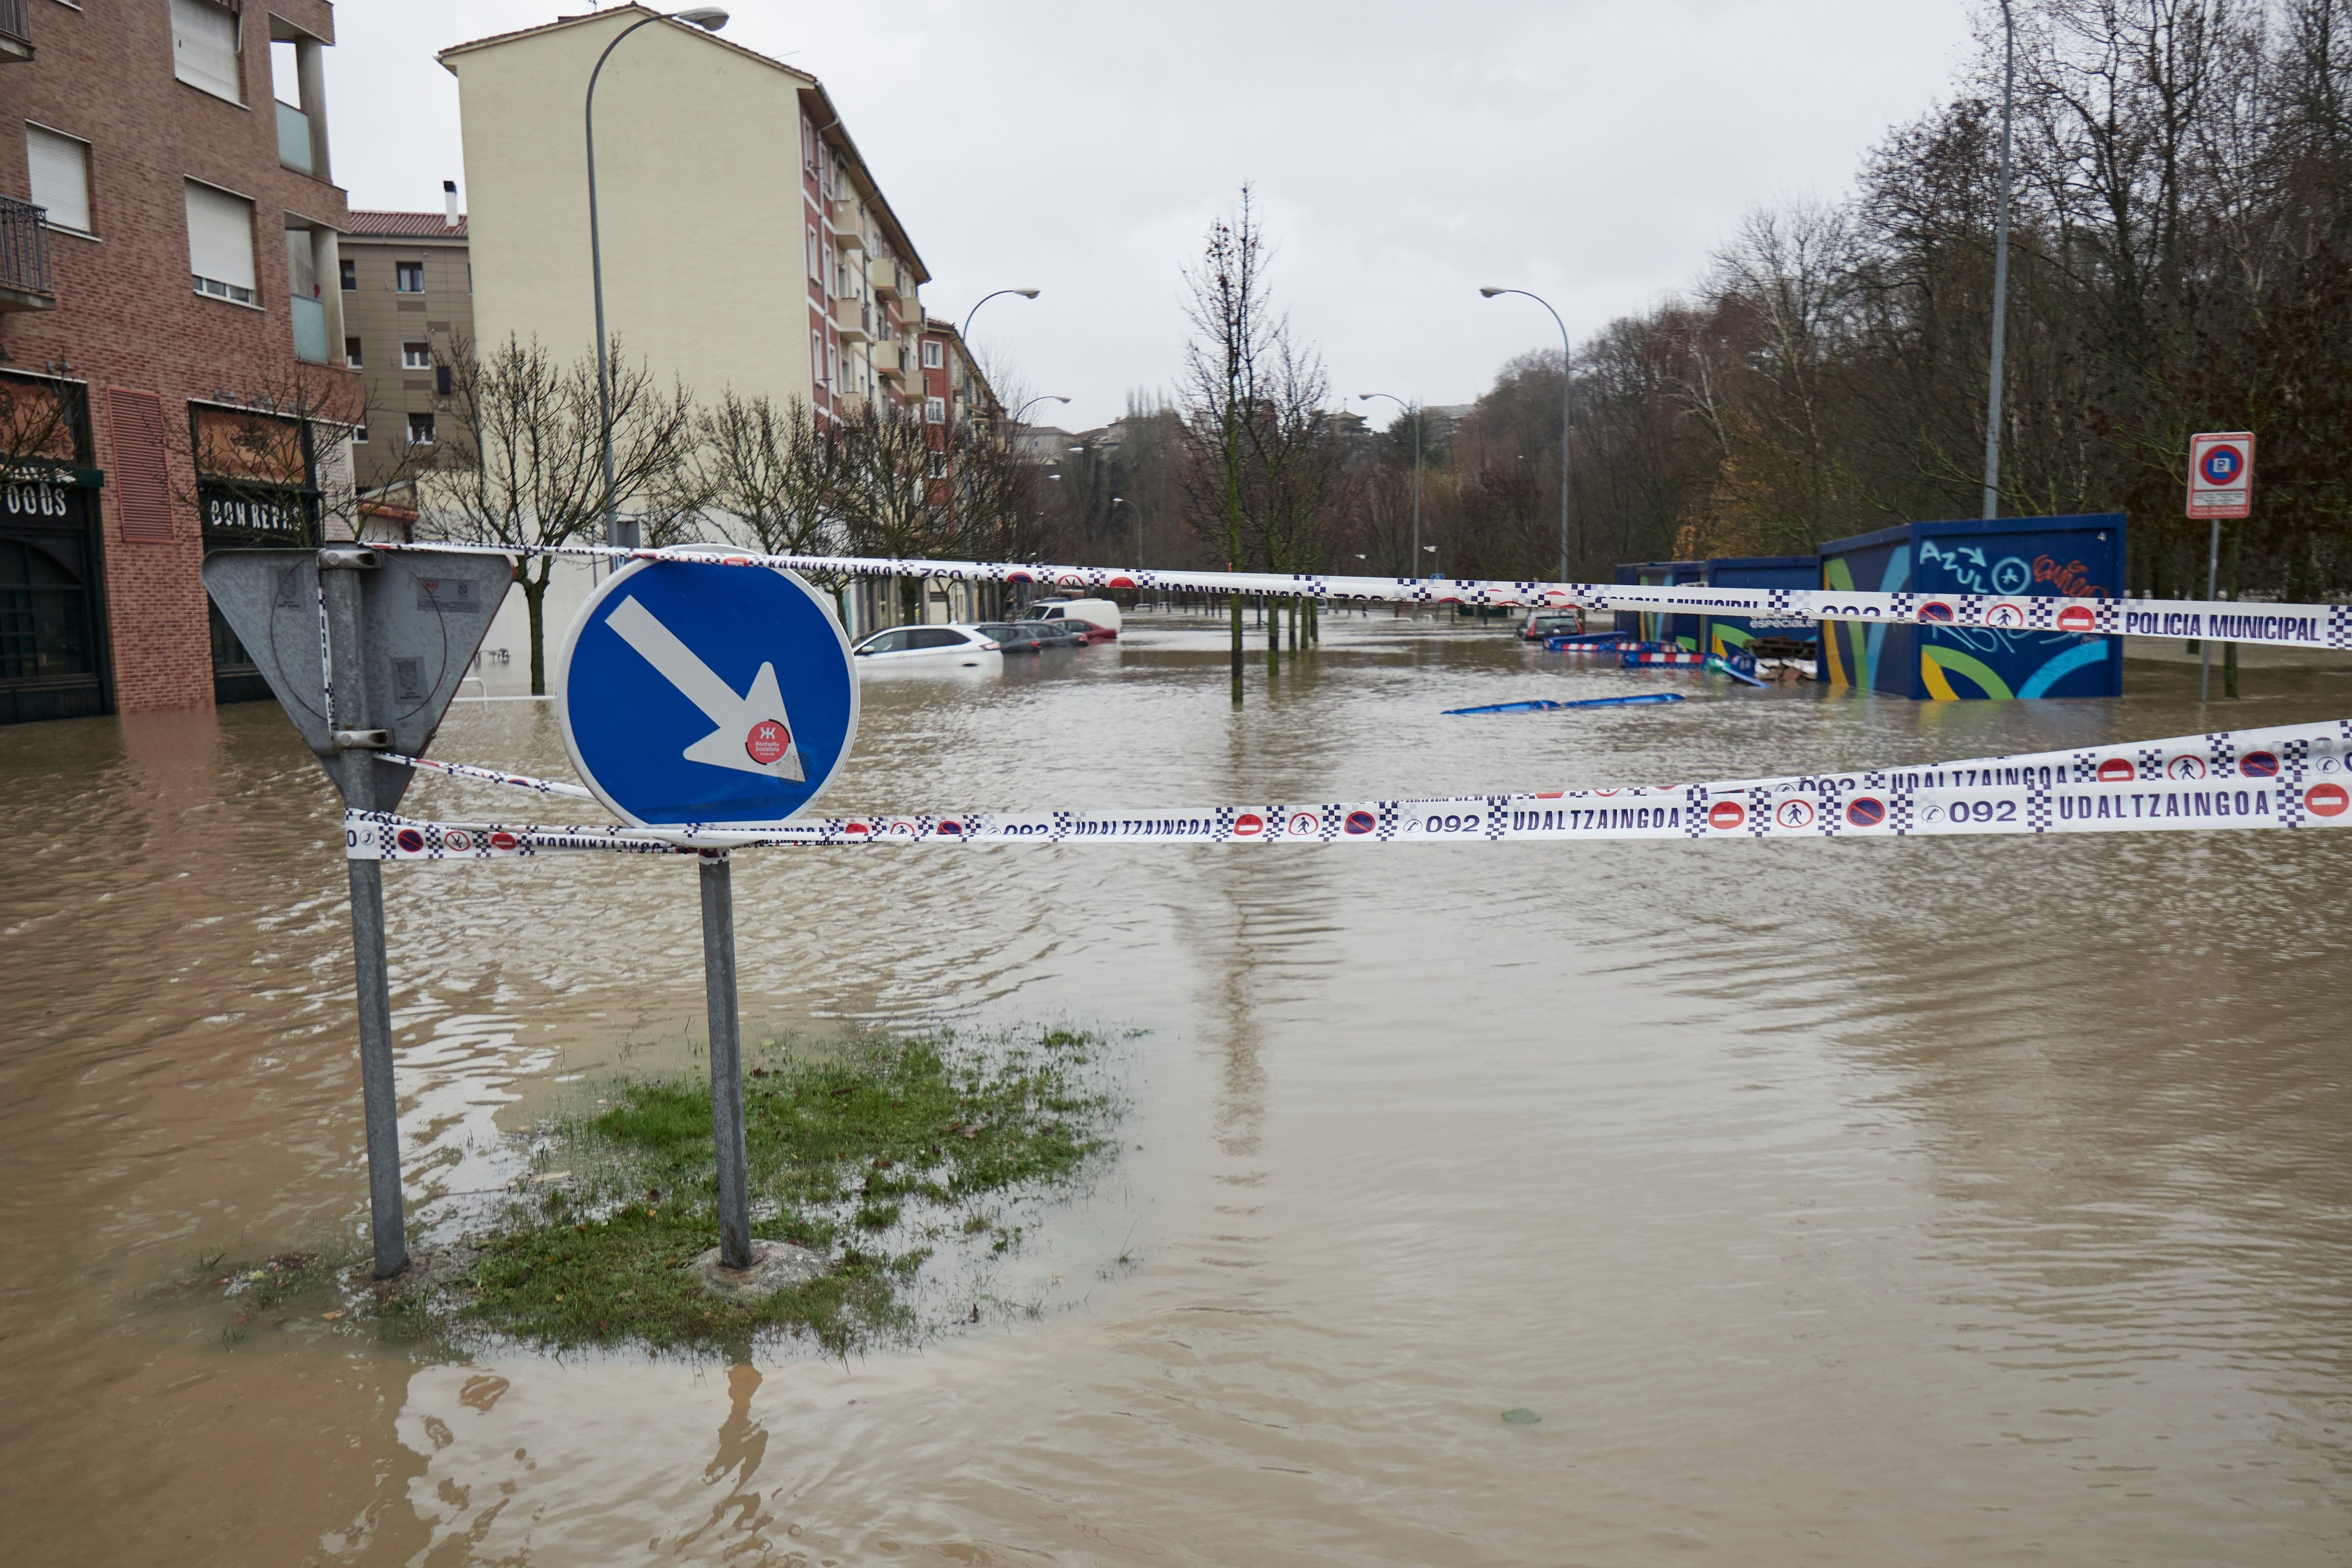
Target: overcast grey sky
1595, 152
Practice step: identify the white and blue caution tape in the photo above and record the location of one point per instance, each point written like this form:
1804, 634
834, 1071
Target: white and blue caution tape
2289, 777
2276, 626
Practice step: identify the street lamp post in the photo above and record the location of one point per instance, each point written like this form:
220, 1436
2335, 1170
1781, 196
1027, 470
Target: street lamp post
1567, 353
2001, 272
1415, 411
964, 332
710, 19
1122, 500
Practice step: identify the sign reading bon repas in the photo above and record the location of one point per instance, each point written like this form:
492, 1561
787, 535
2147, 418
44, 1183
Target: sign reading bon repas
2221, 474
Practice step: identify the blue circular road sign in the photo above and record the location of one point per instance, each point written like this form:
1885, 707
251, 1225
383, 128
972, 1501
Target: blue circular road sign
2223, 465
706, 694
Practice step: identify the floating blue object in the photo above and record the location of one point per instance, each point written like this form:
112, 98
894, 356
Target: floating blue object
1639, 699
1722, 666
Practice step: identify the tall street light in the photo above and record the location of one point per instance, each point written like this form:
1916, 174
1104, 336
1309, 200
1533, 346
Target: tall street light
1044, 397
2000, 273
1415, 412
1122, 500
964, 332
710, 19
1567, 353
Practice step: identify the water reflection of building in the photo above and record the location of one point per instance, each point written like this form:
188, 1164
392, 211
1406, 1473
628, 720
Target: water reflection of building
167, 217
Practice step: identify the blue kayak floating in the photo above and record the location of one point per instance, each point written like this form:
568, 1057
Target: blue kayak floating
1640, 699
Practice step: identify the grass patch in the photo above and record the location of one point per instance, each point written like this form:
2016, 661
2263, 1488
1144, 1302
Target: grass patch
854, 1152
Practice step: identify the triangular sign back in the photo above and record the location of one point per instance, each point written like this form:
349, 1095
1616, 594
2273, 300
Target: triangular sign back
424, 616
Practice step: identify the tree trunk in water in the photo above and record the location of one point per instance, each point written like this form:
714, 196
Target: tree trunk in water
1273, 635
1234, 602
534, 599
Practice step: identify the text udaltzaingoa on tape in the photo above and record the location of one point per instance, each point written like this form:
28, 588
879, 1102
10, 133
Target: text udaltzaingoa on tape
2276, 626
2291, 777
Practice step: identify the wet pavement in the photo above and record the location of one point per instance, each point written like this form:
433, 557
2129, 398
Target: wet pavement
1963, 1200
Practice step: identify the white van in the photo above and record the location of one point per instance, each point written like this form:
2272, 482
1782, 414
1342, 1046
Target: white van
1101, 612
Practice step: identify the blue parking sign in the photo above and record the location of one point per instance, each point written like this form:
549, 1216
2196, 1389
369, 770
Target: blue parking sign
710, 694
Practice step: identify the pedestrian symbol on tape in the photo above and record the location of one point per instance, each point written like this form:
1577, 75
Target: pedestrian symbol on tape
706, 694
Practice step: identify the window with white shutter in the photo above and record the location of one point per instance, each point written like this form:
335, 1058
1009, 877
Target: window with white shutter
203, 47
60, 170
220, 242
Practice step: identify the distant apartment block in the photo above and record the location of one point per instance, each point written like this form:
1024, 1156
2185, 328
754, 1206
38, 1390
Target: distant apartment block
747, 246
169, 234
408, 311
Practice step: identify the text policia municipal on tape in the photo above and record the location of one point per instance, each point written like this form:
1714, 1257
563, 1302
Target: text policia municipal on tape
2288, 626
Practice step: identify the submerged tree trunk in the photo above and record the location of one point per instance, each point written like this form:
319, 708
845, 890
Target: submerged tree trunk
534, 599
1234, 603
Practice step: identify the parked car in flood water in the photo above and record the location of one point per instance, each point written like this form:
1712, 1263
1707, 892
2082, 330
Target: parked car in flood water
912, 646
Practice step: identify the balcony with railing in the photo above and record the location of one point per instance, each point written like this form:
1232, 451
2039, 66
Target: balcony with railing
25, 282
15, 32
854, 320
293, 137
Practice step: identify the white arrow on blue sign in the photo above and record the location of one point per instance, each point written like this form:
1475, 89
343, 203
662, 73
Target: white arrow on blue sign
706, 694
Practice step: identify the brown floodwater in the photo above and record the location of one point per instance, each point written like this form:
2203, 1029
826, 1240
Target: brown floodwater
1967, 1200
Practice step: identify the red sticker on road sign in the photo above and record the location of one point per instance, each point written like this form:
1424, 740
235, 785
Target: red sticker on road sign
768, 742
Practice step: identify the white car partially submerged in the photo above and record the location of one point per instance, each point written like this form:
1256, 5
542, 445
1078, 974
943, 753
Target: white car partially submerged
1101, 612
953, 645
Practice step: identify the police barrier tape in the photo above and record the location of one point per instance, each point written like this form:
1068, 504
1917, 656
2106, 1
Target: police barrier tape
2278, 625
2289, 777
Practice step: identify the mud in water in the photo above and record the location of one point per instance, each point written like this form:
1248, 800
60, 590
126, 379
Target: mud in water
1961, 1200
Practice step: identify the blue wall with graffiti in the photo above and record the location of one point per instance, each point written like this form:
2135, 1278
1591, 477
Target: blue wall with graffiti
1682, 631
2010, 557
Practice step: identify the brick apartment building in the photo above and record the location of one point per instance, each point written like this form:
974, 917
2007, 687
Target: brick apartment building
167, 220
408, 311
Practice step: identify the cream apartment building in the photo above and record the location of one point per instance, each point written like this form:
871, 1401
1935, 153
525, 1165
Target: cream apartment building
746, 244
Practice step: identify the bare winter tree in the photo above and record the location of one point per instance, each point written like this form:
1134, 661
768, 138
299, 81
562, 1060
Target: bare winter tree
527, 470
894, 493
1233, 332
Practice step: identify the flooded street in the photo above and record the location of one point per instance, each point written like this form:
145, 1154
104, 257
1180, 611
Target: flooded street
1962, 1200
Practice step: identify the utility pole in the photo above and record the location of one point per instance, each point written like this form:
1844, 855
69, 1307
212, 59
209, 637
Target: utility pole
1999, 269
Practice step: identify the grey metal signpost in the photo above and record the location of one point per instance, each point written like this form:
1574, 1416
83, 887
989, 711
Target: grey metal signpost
354, 739
726, 1058
400, 633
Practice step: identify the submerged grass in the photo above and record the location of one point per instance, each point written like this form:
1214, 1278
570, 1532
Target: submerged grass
850, 1153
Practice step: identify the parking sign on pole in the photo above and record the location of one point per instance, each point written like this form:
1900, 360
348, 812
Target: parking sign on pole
2221, 474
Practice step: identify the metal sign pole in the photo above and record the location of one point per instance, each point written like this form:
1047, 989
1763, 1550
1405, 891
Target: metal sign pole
2212, 586
339, 586
726, 1058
